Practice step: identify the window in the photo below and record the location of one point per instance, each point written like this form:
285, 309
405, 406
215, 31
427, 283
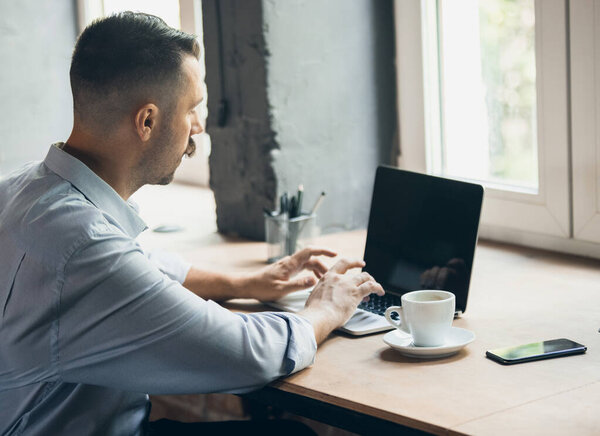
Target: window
487, 100
485, 95
180, 14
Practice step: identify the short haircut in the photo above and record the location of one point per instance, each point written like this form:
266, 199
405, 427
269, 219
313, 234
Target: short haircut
124, 58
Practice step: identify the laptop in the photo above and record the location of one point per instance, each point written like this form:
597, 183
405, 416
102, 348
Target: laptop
422, 234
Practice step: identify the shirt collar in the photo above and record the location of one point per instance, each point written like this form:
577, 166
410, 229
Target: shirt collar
95, 189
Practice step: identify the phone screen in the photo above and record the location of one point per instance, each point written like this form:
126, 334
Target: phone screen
536, 351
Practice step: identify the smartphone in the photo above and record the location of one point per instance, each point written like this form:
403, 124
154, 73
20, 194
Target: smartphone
536, 351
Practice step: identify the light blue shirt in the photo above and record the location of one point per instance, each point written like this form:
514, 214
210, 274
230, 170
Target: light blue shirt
89, 325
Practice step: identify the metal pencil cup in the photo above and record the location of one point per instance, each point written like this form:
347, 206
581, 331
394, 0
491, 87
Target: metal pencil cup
285, 235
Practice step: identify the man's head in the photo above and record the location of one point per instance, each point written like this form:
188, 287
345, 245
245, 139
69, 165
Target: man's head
133, 72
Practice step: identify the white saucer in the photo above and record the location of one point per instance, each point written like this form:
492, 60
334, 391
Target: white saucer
458, 338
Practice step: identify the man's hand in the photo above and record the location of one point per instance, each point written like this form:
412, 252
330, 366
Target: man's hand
336, 296
268, 284
279, 279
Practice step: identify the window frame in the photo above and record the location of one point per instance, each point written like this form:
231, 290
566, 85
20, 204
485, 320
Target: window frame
543, 220
584, 20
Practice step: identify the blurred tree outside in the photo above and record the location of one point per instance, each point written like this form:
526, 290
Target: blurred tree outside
507, 38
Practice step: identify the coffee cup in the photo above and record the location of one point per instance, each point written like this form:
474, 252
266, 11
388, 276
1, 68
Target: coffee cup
426, 315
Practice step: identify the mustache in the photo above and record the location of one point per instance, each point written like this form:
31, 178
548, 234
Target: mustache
191, 148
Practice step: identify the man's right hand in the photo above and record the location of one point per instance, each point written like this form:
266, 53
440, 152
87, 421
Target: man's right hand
336, 296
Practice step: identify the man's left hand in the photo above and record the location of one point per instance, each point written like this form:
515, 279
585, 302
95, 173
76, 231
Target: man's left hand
279, 279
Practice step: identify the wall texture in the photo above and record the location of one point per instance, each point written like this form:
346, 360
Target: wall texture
241, 174
36, 40
332, 96
311, 88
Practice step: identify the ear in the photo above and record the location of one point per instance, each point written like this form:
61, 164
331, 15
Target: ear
145, 121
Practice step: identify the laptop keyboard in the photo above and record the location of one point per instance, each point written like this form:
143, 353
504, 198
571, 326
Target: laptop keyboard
378, 305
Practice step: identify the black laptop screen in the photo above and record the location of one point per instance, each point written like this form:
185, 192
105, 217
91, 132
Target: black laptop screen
422, 232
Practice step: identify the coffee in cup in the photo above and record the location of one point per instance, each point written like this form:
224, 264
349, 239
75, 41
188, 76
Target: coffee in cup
426, 315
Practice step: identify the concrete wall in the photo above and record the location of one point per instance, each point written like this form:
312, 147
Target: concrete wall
332, 97
241, 174
36, 40
311, 87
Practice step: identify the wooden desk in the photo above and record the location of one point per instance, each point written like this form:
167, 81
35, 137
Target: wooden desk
517, 296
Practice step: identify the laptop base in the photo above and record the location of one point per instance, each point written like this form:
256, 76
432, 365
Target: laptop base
361, 323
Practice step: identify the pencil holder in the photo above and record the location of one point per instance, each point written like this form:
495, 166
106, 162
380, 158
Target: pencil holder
285, 235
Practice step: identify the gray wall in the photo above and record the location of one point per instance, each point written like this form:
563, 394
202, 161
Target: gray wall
36, 40
311, 85
332, 97
241, 174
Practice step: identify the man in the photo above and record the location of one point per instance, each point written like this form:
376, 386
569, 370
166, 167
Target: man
89, 325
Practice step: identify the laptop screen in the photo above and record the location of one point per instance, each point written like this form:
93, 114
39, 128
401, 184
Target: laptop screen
422, 232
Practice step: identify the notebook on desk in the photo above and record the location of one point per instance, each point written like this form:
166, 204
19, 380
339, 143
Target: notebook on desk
422, 234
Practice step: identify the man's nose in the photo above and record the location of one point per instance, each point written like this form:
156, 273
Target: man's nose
197, 124
197, 129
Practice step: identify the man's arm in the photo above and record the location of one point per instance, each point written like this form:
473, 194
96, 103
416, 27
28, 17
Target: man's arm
213, 286
330, 305
268, 284
124, 324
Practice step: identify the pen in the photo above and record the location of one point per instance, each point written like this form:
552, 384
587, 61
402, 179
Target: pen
299, 200
283, 203
317, 203
312, 211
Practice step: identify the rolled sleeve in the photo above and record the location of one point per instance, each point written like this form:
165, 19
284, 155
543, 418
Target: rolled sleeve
302, 345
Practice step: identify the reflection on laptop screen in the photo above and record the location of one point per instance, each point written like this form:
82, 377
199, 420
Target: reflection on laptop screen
422, 232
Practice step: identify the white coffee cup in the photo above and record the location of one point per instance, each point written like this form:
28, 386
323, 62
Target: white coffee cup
426, 315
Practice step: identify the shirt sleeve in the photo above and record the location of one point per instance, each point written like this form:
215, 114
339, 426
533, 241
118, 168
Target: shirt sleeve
126, 325
170, 264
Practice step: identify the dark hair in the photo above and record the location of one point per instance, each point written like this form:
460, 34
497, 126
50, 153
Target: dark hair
125, 54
